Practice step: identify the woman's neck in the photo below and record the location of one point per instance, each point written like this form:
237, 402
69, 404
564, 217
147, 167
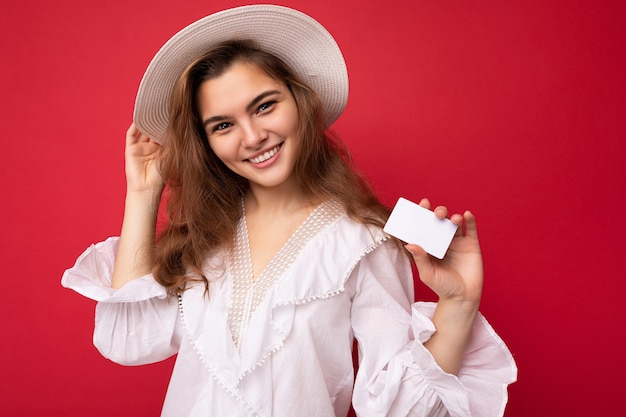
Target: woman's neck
276, 201
271, 218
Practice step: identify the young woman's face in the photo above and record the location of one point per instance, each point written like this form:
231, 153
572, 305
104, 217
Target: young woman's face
251, 121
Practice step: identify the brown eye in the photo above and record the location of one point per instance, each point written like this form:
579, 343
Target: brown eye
265, 106
221, 126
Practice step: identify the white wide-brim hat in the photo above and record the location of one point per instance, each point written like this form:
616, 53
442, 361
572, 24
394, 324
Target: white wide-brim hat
299, 40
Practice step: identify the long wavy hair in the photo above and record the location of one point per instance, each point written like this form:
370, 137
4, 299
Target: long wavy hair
203, 196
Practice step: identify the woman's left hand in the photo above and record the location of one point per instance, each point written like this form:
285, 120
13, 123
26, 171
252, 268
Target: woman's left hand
458, 281
459, 275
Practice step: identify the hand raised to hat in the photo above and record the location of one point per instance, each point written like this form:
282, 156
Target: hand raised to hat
142, 156
144, 186
457, 279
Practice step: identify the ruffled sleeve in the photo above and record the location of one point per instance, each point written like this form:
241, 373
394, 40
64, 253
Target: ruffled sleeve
397, 375
134, 325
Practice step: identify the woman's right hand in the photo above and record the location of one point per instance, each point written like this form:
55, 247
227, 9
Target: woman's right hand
135, 255
142, 162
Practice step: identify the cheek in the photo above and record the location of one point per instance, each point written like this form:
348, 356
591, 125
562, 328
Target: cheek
219, 149
292, 124
212, 146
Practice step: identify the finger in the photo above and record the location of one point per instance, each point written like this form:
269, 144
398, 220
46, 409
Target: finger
424, 202
422, 260
441, 212
471, 229
132, 134
457, 219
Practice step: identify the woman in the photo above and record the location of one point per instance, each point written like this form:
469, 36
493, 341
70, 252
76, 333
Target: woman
273, 257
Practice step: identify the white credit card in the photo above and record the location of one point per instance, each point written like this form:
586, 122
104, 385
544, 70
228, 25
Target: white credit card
412, 223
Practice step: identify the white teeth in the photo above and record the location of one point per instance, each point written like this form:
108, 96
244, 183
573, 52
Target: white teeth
267, 155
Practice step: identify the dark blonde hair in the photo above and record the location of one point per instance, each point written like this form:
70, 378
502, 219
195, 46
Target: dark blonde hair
204, 196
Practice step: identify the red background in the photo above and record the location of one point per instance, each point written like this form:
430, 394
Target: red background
513, 109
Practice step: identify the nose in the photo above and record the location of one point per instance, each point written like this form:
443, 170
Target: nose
253, 134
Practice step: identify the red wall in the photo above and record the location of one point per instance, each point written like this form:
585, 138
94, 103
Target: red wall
516, 111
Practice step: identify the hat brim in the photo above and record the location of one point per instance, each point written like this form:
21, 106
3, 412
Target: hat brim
299, 40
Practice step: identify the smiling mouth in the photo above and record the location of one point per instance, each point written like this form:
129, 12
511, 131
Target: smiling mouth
267, 155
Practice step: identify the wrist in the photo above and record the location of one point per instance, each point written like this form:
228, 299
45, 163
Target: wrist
453, 321
455, 318
458, 307
149, 197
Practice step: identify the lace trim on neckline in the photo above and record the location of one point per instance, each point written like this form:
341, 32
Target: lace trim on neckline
247, 293
302, 301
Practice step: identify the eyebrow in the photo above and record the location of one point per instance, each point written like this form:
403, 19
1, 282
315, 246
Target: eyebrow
255, 101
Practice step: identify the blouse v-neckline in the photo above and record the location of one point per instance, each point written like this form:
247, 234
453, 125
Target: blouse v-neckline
248, 292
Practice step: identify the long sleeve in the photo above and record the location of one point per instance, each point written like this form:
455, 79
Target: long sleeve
397, 375
134, 325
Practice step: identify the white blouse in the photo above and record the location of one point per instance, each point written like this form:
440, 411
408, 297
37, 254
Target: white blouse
281, 345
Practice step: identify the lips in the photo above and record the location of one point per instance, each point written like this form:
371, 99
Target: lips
266, 155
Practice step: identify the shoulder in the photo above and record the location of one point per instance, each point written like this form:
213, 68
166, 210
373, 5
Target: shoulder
347, 235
